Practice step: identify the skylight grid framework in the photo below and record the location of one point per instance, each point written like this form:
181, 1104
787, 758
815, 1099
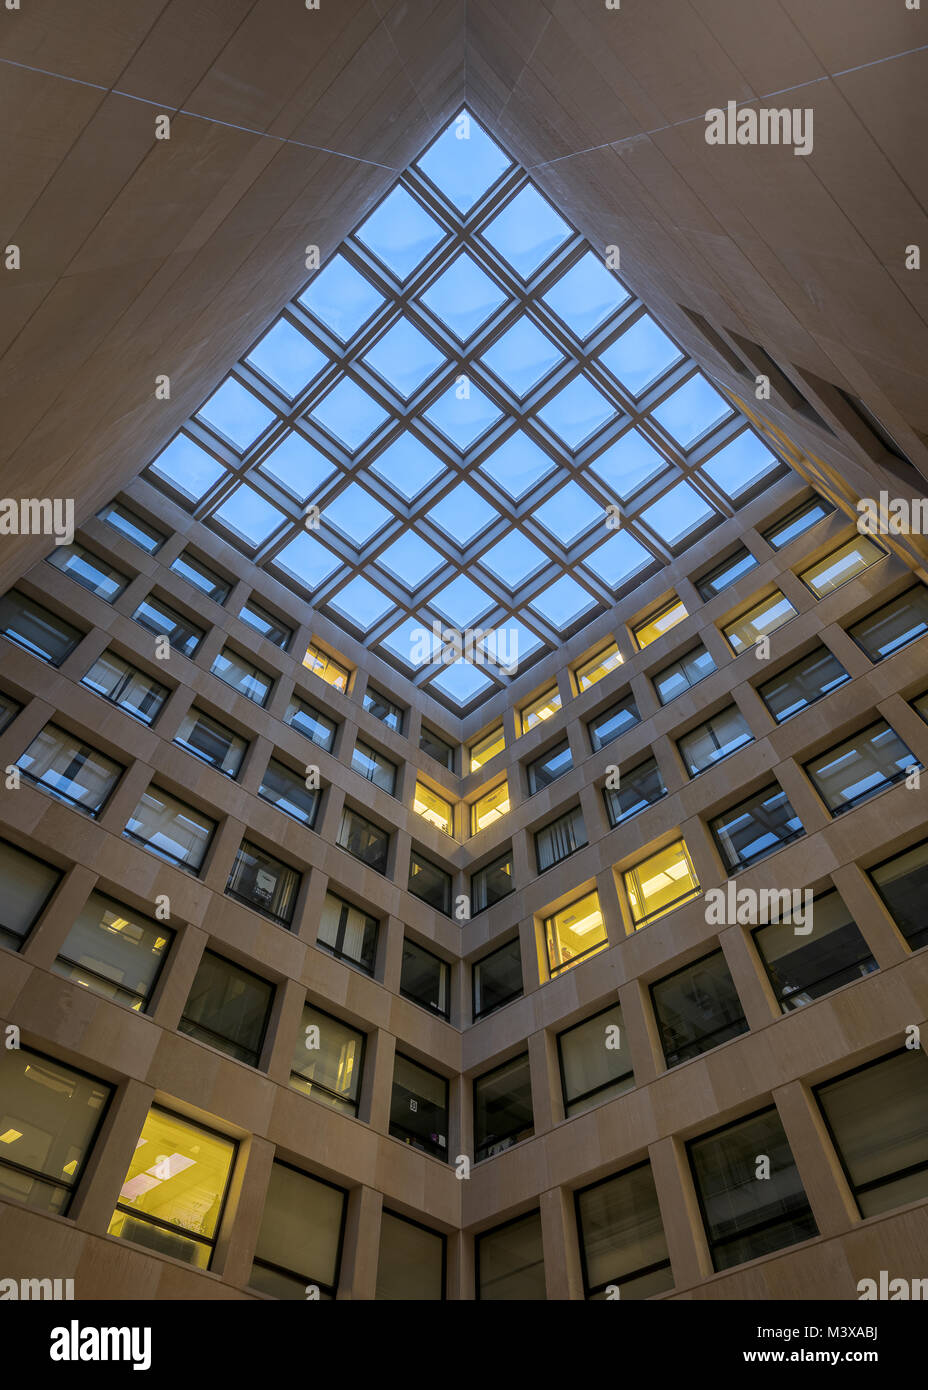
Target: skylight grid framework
541, 559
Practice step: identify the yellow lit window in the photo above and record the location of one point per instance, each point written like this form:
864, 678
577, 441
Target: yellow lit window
598, 666
434, 808
172, 1197
842, 564
577, 930
541, 708
759, 621
660, 883
325, 668
486, 748
489, 808
660, 623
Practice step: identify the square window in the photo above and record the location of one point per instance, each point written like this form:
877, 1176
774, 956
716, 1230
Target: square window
522, 357
802, 684
115, 952
463, 163
463, 297
287, 358
463, 419
660, 883
236, 414
578, 411
679, 511
425, 978
329, 1073
622, 1241
807, 960
491, 884
510, 1261
760, 621
518, 465
641, 355
341, 298
860, 767
697, 1008
595, 668
349, 414
434, 808
660, 623
490, 807
188, 468
628, 464
503, 1113
264, 883
400, 233
843, 564
404, 358
692, 411
297, 466
574, 932
300, 1239
419, 1107
497, 979
228, 1008
755, 828
250, 516
586, 295
638, 789
527, 232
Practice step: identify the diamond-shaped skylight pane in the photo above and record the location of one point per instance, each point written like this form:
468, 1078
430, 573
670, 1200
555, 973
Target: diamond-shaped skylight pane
400, 232
463, 297
236, 413
677, 512
463, 514
512, 560
341, 297
692, 410
641, 355
461, 682
562, 602
464, 162
618, 559
411, 559
586, 295
527, 231
569, 513
462, 601
463, 418
361, 603
356, 514
248, 514
576, 412
740, 464
187, 467
404, 357
511, 644
517, 465
628, 464
349, 414
413, 642
297, 466
307, 560
408, 466
287, 358
522, 356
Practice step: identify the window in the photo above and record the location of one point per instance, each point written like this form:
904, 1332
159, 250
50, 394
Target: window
667, 617
860, 767
33, 627
800, 685
434, 808
300, 1241
383, 709
593, 669
902, 883
411, 1264
287, 790
745, 1218
9, 708
228, 1008
419, 1107
128, 524
347, 933
796, 522
127, 687
486, 748
811, 959
510, 1262
595, 1062
437, 748
847, 562
503, 1112
894, 625
363, 840
183, 635
115, 952
242, 676
697, 1008
328, 1061
755, 828
497, 978
431, 884
726, 574
50, 1117
575, 931
264, 883
425, 978
541, 708
307, 721
549, 767
172, 830
322, 665
878, 1118
374, 766
765, 617
175, 1190
637, 790
491, 883
26, 885
660, 883
616, 720
270, 627
622, 1241
681, 675
91, 573
714, 740
562, 838
211, 742
70, 770
201, 577
490, 807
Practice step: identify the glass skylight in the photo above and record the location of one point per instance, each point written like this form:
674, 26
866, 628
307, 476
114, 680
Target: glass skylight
522, 356
188, 468
400, 232
462, 682
464, 162
413, 642
692, 410
517, 465
741, 464
411, 559
563, 602
678, 511
586, 296
250, 515
569, 513
408, 466
463, 414
463, 514
234, 412
308, 561
628, 464
641, 355
287, 358
404, 357
361, 603
463, 297
462, 601
527, 232
349, 414
356, 514
618, 559
341, 298
577, 411
297, 466
513, 559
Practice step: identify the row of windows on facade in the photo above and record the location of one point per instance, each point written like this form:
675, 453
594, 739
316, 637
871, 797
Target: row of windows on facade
173, 1198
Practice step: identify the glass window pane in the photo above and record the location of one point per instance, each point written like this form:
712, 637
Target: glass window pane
437, 748
681, 675
622, 1239
497, 978
510, 1262
597, 667
91, 573
576, 930
596, 1064
341, 297
70, 770
860, 767
726, 574
894, 625
328, 1061
171, 829
486, 748
114, 951
323, 666
797, 522
411, 1265
586, 295
801, 684
902, 882
434, 808
247, 679
271, 628
287, 790
549, 767
842, 564
489, 885
560, 839
697, 1008
33, 627
431, 884
347, 933
616, 720
228, 1007
183, 635
419, 1107
489, 808
374, 766
300, 1240
714, 740
307, 720
759, 621
809, 958
661, 883
364, 840
669, 616
383, 709
543, 707
755, 828
424, 978
26, 885
464, 162
637, 789
641, 355
201, 577
503, 1112
264, 883
211, 742
400, 232
527, 232
126, 686
128, 524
